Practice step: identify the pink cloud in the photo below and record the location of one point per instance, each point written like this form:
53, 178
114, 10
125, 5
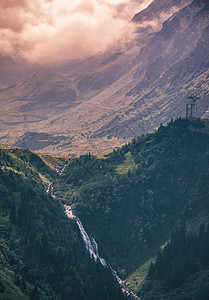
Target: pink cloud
53, 30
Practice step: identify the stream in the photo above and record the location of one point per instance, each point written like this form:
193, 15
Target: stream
92, 248
90, 243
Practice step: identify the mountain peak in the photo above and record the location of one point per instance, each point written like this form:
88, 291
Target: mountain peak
159, 8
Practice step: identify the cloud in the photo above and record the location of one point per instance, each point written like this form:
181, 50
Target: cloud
55, 30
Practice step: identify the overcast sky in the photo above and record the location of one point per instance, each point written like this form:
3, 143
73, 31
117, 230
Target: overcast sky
52, 30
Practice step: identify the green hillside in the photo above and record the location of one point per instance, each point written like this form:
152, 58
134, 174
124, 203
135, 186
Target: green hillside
42, 254
131, 200
181, 270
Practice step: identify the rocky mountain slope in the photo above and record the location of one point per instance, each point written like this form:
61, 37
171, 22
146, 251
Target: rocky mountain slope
2, 86
100, 103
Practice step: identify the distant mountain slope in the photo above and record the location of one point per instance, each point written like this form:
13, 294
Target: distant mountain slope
106, 100
29, 104
46, 87
2, 86
151, 18
171, 67
178, 37
157, 8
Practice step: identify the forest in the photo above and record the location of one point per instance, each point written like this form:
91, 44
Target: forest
146, 201
42, 254
181, 269
132, 199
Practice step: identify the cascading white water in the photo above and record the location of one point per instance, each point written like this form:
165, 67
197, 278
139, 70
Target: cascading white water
90, 244
92, 247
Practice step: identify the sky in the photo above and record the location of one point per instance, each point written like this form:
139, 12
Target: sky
49, 31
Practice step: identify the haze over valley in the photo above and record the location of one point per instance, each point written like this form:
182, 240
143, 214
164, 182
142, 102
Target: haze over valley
100, 102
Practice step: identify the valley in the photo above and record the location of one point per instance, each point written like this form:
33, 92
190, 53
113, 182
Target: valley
39, 244
132, 199
129, 202
106, 100
104, 150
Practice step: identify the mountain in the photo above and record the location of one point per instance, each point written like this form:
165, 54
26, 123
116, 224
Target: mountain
131, 199
117, 95
148, 195
169, 68
2, 86
30, 103
159, 7
151, 18
42, 254
41, 90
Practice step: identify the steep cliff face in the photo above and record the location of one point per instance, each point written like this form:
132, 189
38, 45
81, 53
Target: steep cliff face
179, 36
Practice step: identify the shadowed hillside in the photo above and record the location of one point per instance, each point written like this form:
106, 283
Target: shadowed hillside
42, 254
131, 199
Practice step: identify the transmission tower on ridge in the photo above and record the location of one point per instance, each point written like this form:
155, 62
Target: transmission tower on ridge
191, 110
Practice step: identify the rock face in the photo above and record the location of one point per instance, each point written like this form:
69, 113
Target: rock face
157, 8
100, 103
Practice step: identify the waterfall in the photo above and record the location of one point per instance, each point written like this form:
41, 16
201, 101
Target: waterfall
48, 187
90, 244
92, 247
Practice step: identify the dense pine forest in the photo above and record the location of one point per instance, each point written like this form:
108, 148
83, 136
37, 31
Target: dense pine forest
42, 254
181, 270
137, 192
146, 201
132, 199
